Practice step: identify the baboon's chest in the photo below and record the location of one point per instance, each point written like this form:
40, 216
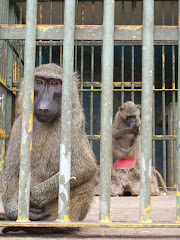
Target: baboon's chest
126, 141
45, 156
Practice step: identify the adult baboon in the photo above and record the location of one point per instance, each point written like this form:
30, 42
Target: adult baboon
46, 153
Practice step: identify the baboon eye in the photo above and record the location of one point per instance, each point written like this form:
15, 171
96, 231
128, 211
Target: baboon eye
53, 83
39, 82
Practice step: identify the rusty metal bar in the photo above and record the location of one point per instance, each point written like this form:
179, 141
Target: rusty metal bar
90, 32
106, 110
178, 129
65, 147
27, 114
87, 224
147, 101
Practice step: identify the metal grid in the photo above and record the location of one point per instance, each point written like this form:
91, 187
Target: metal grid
127, 85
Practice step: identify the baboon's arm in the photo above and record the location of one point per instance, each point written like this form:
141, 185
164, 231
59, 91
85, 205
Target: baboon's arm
83, 168
117, 133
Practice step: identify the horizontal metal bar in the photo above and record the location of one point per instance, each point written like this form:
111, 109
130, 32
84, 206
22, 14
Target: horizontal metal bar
94, 137
4, 85
88, 32
165, 137
86, 0
3, 136
87, 224
93, 43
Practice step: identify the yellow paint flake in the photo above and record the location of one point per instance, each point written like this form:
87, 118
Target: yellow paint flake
21, 150
30, 146
30, 123
163, 57
0, 169
178, 193
32, 96
24, 102
44, 27
134, 36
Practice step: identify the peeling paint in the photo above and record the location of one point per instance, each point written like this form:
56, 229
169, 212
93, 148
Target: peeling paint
24, 134
30, 123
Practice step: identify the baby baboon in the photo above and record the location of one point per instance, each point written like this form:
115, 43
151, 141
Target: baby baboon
46, 153
126, 136
125, 130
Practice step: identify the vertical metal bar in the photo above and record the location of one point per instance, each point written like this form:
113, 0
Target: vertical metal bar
9, 77
92, 79
61, 22
163, 101
27, 114
172, 143
106, 110
82, 54
40, 20
132, 59
76, 47
153, 130
50, 20
65, 148
178, 128
122, 61
4, 14
147, 87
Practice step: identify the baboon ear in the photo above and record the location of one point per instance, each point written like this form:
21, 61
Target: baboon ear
138, 106
121, 108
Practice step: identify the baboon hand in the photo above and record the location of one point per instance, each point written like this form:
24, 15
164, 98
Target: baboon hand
134, 128
38, 213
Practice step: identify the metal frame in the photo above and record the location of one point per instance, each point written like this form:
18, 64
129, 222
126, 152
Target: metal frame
105, 35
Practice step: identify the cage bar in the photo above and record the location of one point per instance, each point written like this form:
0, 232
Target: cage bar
147, 98
65, 148
178, 128
28, 108
106, 110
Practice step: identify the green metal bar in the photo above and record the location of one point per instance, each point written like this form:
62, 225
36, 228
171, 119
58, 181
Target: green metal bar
91, 94
132, 56
178, 129
106, 110
27, 114
40, 21
61, 22
82, 52
163, 102
147, 98
65, 148
51, 16
122, 60
153, 133
172, 144
9, 78
4, 15
123, 33
76, 42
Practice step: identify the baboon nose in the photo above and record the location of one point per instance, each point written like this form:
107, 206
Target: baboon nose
43, 109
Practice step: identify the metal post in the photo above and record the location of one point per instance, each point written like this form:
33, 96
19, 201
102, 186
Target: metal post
178, 126
9, 78
27, 114
147, 100
65, 148
106, 110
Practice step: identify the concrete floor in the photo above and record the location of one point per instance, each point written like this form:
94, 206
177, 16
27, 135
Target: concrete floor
123, 209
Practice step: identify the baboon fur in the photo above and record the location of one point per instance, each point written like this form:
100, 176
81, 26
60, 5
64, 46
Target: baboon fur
45, 160
127, 143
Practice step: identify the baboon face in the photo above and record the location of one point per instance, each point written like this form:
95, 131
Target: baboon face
47, 98
129, 112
